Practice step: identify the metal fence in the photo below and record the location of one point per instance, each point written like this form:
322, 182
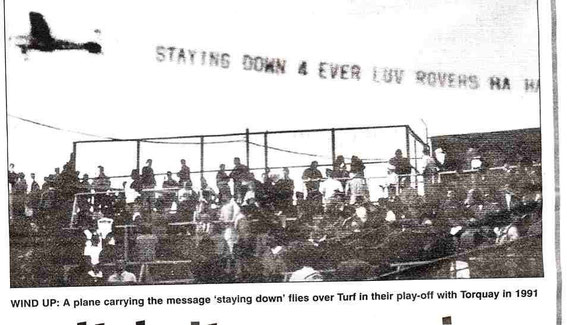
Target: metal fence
294, 149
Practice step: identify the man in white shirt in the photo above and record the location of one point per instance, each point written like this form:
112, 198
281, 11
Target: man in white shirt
331, 189
356, 188
121, 275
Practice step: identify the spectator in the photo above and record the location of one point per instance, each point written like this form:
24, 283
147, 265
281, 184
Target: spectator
148, 182
133, 189
207, 203
170, 186
392, 181
188, 200
439, 155
136, 183
84, 184
357, 166
300, 261
272, 260
474, 159
120, 275
184, 173
451, 212
92, 250
339, 163
169, 182
148, 179
84, 201
401, 164
284, 193
507, 197
239, 174
359, 219
356, 188
266, 196
412, 203
301, 205
207, 194
331, 189
340, 171
101, 184
78, 276
12, 176
229, 213
312, 178
222, 184
429, 171
19, 191
34, 187
306, 274
34, 196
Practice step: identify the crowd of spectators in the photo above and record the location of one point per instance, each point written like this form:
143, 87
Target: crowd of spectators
272, 229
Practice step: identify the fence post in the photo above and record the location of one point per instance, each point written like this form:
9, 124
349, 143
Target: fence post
138, 156
415, 161
407, 143
202, 155
74, 158
247, 147
333, 153
266, 150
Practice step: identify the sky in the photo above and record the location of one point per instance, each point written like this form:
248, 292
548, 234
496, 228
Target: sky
126, 92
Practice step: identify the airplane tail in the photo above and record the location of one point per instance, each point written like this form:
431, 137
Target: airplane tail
39, 28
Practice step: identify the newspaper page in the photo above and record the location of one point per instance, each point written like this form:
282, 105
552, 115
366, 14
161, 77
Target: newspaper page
304, 162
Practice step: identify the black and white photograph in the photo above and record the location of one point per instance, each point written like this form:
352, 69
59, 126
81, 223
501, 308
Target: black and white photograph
325, 161
153, 160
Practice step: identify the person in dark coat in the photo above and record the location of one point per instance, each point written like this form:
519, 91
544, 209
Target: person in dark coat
184, 173
401, 164
284, 189
34, 195
239, 174
357, 166
100, 184
148, 182
169, 197
313, 178
19, 192
222, 184
12, 175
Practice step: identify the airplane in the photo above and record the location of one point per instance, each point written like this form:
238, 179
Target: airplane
40, 39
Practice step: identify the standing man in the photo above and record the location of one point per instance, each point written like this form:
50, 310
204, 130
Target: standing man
12, 176
356, 189
222, 184
332, 190
169, 196
34, 195
19, 191
34, 187
100, 184
184, 174
312, 178
401, 164
148, 179
148, 183
284, 193
239, 174
84, 202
